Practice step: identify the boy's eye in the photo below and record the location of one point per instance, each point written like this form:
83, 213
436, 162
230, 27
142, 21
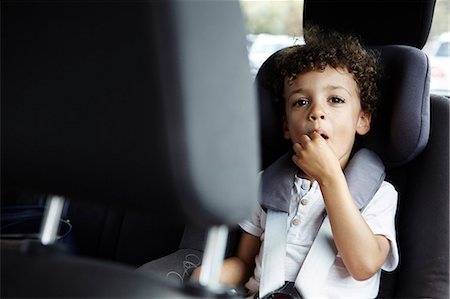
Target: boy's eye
300, 102
336, 100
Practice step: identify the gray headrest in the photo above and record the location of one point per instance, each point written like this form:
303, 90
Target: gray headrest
138, 104
400, 129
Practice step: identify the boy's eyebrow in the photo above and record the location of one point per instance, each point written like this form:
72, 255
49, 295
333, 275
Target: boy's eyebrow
297, 90
329, 87
333, 87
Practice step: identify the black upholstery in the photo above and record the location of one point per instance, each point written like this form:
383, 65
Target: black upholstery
423, 218
126, 105
46, 273
378, 23
431, 168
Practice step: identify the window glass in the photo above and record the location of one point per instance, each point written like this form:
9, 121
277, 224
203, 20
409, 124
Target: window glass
442, 50
271, 25
437, 49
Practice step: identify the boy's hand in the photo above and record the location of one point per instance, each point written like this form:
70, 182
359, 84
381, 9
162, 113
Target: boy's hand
315, 157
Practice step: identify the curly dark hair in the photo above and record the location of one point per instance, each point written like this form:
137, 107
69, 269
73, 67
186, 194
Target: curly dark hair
338, 50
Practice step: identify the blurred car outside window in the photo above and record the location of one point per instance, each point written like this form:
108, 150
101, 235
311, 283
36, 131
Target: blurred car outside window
275, 24
265, 45
437, 50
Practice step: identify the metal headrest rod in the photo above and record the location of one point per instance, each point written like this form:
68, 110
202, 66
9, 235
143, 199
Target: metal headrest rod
213, 256
50, 222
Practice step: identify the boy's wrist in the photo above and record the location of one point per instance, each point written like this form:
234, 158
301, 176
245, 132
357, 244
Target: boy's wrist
331, 179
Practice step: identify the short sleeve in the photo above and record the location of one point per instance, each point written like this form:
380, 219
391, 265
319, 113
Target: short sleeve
380, 216
254, 225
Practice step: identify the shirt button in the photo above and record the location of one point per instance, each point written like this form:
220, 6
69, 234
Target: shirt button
304, 201
295, 221
305, 185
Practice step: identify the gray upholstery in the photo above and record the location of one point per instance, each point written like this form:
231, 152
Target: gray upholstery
213, 162
402, 129
364, 174
176, 267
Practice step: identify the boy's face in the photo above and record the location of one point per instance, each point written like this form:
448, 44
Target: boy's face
327, 102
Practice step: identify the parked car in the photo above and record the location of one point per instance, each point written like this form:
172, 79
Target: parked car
250, 40
439, 55
265, 45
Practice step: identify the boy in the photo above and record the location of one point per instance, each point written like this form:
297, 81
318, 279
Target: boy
328, 94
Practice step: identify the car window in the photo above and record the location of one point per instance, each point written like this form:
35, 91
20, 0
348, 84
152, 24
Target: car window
437, 49
443, 50
265, 45
272, 25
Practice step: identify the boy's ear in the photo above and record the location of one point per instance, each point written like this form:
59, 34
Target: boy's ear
286, 133
363, 125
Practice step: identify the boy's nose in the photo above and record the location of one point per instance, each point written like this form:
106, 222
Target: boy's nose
316, 113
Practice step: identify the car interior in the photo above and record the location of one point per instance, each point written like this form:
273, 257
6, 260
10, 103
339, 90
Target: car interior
132, 136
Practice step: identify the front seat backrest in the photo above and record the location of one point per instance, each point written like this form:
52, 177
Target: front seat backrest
126, 104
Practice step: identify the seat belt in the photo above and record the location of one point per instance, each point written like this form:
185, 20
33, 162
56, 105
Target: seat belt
314, 271
273, 263
364, 174
276, 192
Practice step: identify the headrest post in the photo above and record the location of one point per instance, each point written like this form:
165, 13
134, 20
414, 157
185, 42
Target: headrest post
50, 223
213, 256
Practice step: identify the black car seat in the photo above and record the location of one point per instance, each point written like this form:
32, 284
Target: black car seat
126, 105
423, 181
402, 156
410, 133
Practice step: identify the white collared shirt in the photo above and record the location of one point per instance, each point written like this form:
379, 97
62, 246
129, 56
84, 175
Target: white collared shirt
306, 213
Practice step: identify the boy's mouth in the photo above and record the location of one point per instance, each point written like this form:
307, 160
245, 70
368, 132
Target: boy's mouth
321, 132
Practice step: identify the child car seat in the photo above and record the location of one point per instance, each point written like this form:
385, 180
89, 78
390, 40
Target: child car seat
421, 177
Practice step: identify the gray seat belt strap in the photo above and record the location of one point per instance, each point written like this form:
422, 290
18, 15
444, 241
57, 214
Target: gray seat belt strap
276, 194
274, 252
314, 271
